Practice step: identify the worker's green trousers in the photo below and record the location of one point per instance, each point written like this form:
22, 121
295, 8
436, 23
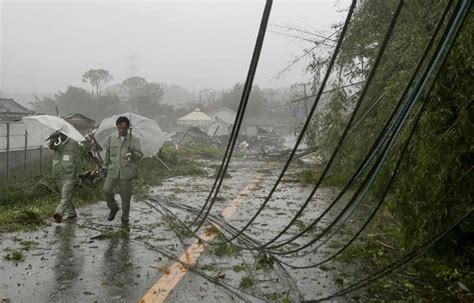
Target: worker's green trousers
124, 188
66, 188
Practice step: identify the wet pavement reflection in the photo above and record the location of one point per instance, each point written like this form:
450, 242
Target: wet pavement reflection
68, 264
117, 266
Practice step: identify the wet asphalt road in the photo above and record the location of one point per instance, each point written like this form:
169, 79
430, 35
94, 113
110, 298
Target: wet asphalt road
93, 260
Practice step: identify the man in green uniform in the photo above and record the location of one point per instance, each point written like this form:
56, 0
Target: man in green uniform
67, 164
122, 153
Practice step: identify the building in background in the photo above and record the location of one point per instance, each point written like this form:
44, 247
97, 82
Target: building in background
81, 122
194, 136
224, 114
12, 111
218, 128
195, 118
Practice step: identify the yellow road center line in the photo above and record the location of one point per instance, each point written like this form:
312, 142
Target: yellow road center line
163, 287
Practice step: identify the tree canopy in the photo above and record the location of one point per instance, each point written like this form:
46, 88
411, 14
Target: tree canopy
98, 79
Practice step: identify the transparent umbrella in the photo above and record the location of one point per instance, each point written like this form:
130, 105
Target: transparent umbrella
42, 126
146, 130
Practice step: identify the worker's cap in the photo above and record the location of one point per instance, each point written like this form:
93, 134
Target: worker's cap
53, 136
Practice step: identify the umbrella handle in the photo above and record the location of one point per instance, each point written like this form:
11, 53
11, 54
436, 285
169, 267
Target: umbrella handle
130, 140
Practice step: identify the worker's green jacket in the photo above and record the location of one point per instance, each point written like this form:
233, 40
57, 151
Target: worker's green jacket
67, 159
115, 156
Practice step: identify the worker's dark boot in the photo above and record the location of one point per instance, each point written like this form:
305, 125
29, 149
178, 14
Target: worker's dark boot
125, 227
112, 214
57, 218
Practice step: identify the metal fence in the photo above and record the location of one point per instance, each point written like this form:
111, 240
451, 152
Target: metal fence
19, 159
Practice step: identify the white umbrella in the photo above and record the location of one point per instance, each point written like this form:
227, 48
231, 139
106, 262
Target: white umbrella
42, 126
146, 130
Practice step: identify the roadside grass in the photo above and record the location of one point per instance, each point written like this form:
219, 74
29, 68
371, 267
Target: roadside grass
17, 255
201, 151
429, 278
26, 205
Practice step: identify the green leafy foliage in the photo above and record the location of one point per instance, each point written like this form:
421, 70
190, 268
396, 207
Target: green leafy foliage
226, 249
15, 256
246, 282
441, 157
264, 261
144, 98
435, 184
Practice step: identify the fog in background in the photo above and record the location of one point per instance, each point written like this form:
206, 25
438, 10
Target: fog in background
46, 45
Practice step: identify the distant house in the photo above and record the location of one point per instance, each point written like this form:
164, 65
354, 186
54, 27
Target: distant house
81, 122
195, 118
258, 127
222, 120
12, 111
224, 114
193, 135
218, 128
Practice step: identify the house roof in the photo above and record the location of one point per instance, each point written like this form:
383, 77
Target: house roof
222, 109
194, 133
196, 115
10, 106
219, 121
79, 115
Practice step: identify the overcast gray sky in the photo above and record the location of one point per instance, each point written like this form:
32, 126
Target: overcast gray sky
47, 45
